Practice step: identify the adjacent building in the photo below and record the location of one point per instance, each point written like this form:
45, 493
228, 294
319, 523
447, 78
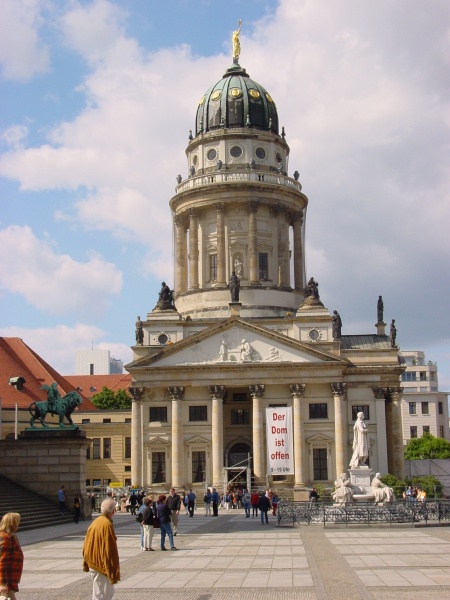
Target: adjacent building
97, 362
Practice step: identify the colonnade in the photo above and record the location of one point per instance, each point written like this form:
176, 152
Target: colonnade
389, 430
187, 276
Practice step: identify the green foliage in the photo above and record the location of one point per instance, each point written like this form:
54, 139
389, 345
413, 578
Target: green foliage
426, 447
397, 485
108, 400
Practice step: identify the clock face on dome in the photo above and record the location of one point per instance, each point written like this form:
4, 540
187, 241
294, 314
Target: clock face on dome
314, 334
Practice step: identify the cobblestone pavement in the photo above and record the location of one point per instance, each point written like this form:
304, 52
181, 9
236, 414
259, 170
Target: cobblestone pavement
231, 557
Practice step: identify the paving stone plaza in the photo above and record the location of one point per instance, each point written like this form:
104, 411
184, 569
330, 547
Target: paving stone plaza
232, 557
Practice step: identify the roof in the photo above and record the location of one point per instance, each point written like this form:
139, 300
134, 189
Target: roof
19, 360
365, 342
89, 385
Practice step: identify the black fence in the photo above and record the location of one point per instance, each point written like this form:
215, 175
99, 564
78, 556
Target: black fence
363, 513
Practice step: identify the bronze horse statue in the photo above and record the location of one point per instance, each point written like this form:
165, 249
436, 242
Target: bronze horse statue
63, 407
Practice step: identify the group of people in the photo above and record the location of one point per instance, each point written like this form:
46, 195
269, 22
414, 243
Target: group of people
414, 494
62, 503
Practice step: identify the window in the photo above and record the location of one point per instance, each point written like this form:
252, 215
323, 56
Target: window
198, 466
127, 448
263, 266
88, 482
96, 448
423, 376
198, 413
91, 369
86, 421
409, 376
413, 431
240, 416
88, 453
127, 419
158, 467
318, 411
412, 408
127, 468
440, 408
106, 447
213, 267
158, 414
96, 482
425, 408
441, 431
425, 429
242, 397
320, 464
364, 409
106, 420
127, 482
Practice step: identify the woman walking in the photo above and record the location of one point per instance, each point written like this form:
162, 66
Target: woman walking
163, 513
11, 556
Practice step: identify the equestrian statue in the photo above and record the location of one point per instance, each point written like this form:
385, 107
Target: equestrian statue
54, 405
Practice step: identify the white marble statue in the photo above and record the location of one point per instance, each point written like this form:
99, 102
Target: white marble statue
343, 490
360, 443
223, 351
246, 351
381, 492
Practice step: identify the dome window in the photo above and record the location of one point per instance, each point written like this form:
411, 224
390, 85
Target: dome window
254, 93
202, 101
260, 153
194, 160
269, 98
235, 92
236, 151
216, 95
211, 154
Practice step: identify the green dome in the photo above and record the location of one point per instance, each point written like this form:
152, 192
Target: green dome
236, 101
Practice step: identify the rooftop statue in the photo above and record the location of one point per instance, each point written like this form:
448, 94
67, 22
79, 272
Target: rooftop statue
336, 324
54, 405
139, 332
380, 307
393, 334
165, 300
311, 293
234, 286
237, 43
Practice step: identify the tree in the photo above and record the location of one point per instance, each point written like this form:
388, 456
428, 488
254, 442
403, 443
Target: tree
427, 446
108, 400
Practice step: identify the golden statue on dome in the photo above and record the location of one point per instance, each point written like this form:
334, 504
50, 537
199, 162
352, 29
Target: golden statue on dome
237, 43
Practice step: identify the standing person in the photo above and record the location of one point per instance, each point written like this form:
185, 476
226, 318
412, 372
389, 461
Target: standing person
215, 502
207, 501
227, 500
76, 508
264, 507
133, 503
11, 556
100, 553
313, 495
246, 497
274, 504
254, 504
186, 502
147, 523
174, 503
163, 513
191, 503
62, 500
140, 520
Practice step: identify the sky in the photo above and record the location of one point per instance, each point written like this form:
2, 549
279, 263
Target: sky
97, 100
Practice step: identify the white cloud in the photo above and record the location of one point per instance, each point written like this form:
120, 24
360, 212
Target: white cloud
55, 283
22, 53
51, 343
14, 136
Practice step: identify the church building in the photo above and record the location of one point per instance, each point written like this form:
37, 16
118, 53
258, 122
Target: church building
245, 330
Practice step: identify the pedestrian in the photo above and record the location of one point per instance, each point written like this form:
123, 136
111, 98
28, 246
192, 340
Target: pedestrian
186, 503
140, 520
174, 503
93, 502
254, 504
100, 553
264, 507
11, 556
147, 523
76, 508
133, 503
215, 502
274, 504
313, 495
246, 498
191, 503
227, 500
163, 513
62, 500
207, 501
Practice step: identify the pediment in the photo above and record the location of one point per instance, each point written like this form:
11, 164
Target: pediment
198, 441
158, 440
318, 439
235, 342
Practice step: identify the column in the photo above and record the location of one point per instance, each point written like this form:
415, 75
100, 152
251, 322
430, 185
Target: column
193, 250
297, 221
180, 255
221, 255
340, 426
177, 394
382, 437
297, 391
396, 460
283, 248
136, 437
217, 393
257, 393
252, 244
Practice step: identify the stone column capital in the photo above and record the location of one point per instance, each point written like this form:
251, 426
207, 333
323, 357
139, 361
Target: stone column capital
338, 388
395, 393
297, 217
297, 389
181, 221
252, 206
220, 208
379, 393
136, 393
217, 392
176, 392
257, 390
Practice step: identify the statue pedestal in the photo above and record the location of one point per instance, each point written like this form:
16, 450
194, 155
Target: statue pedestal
235, 309
360, 480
